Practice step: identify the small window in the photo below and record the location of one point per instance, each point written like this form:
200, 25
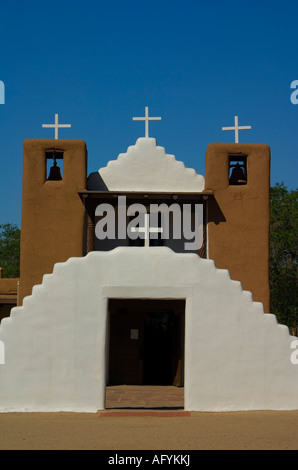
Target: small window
54, 161
237, 170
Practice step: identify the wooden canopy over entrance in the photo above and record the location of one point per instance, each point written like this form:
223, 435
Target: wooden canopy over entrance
91, 199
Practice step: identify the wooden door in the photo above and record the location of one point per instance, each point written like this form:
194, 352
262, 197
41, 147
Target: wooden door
178, 348
126, 347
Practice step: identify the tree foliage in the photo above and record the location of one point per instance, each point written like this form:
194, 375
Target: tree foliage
283, 254
10, 250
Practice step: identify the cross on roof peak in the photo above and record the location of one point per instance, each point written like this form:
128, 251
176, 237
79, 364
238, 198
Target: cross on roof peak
56, 126
146, 119
237, 128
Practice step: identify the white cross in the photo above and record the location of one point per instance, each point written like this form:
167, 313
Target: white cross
56, 126
147, 230
146, 119
236, 129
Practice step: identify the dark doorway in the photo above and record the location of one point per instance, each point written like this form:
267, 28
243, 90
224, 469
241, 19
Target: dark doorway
147, 342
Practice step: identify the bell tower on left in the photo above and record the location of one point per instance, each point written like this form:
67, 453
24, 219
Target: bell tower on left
52, 212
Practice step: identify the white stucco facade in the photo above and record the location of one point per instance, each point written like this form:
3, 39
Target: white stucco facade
56, 344
146, 167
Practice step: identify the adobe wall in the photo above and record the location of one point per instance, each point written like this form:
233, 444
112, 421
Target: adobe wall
239, 217
56, 344
52, 212
8, 296
8, 286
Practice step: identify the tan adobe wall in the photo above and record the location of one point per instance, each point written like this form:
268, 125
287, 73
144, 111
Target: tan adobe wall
239, 217
8, 286
52, 212
8, 296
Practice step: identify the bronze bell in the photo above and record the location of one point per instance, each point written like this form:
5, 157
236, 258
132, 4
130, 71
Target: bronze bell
55, 174
238, 176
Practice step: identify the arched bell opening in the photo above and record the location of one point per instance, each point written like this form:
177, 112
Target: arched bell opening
54, 159
237, 170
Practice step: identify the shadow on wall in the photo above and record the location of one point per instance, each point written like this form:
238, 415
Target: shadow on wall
215, 213
5, 310
96, 183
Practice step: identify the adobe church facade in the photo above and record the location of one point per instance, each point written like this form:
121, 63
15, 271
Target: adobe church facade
93, 312
58, 217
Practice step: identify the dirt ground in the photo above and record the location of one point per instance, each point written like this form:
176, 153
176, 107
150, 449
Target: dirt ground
200, 431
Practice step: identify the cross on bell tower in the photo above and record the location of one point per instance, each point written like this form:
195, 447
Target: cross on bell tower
56, 126
236, 128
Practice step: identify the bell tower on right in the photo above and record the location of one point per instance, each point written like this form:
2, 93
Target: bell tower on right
239, 214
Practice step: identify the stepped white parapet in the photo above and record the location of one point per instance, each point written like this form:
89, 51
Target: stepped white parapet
236, 357
146, 167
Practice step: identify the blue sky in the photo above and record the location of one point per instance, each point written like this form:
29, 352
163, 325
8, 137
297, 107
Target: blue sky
195, 63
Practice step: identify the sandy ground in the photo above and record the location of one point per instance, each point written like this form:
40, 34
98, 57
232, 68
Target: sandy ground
200, 431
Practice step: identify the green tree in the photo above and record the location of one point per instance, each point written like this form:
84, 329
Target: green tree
10, 250
283, 255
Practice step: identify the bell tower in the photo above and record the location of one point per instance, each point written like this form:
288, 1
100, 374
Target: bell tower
239, 214
52, 212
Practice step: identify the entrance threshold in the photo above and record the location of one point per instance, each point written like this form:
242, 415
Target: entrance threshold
143, 399
145, 414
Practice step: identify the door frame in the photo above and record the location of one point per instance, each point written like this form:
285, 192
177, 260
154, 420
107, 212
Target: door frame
150, 304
